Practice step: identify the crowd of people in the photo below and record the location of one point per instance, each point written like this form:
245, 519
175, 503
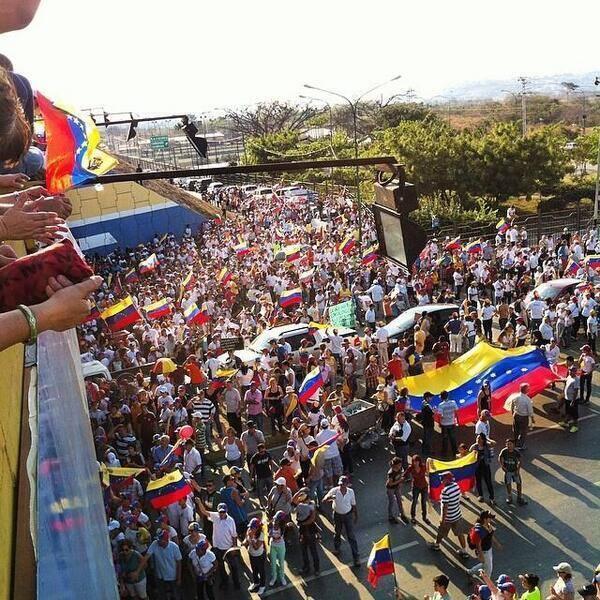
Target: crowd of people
242, 409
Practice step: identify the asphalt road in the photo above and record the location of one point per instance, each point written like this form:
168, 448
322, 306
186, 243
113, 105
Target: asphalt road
561, 480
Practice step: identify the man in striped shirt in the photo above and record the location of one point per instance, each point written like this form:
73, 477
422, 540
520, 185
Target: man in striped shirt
451, 517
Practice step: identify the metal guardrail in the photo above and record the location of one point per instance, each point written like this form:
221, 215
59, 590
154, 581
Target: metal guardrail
536, 225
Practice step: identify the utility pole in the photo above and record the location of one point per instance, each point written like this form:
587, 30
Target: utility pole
524, 82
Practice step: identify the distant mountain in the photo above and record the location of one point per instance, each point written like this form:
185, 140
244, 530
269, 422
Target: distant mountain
550, 85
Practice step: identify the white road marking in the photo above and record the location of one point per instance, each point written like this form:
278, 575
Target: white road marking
300, 581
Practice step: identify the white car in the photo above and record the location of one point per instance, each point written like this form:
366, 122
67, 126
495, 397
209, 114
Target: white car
248, 190
94, 368
293, 335
439, 314
214, 187
263, 192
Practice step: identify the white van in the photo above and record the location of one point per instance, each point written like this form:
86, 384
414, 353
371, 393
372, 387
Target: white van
94, 368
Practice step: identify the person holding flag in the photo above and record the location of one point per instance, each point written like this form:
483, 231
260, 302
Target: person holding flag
451, 518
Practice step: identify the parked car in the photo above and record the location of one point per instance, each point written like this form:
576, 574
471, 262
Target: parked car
263, 192
439, 314
214, 187
293, 335
248, 190
553, 290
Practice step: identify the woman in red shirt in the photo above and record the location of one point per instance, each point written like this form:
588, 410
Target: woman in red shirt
441, 350
418, 473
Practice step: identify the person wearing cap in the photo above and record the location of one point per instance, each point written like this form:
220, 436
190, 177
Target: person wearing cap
502, 589
204, 566
563, 588
530, 584
261, 468
167, 565
224, 538
290, 474
133, 580
521, 407
279, 498
587, 363
451, 518
194, 535
332, 466
235, 501
306, 515
255, 542
481, 539
345, 515
163, 456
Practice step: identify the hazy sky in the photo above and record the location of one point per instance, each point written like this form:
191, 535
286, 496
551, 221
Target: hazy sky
195, 55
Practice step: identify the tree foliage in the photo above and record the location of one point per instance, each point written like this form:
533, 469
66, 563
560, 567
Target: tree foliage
271, 118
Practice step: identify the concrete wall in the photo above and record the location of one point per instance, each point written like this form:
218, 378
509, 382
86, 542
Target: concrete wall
124, 214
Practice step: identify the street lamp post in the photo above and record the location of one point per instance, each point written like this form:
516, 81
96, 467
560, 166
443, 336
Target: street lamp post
354, 109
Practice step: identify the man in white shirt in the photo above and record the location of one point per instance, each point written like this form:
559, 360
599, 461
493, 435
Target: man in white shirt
536, 310
398, 435
552, 352
377, 295
192, 460
521, 407
483, 425
224, 538
345, 516
332, 465
204, 564
382, 337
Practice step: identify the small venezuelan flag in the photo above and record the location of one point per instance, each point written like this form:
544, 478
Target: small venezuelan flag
473, 247
380, 561
94, 314
572, 267
241, 249
149, 265
167, 490
159, 309
311, 385
224, 275
192, 314
370, 255
121, 315
462, 468
453, 245
290, 297
306, 275
292, 253
348, 243
131, 276
502, 226
72, 154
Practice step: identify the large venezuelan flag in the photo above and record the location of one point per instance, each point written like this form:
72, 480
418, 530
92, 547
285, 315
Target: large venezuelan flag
462, 468
312, 383
159, 309
167, 490
72, 155
380, 561
121, 315
290, 297
593, 261
505, 370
